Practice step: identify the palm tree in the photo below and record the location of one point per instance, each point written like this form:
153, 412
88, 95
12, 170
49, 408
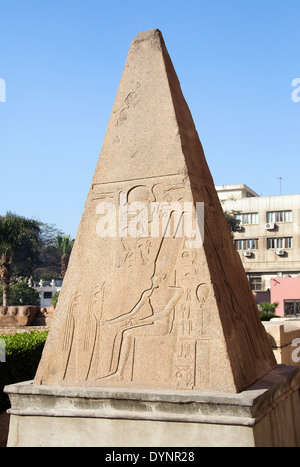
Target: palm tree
267, 307
13, 230
64, 244
267, 310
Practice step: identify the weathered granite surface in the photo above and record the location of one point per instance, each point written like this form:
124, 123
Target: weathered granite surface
154, 311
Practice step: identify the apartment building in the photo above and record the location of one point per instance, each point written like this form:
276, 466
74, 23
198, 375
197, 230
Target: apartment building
269, 237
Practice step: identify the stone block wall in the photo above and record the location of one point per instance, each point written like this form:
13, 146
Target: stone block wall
284, 335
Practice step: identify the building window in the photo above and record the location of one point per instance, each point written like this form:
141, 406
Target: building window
47, 295
279, 216
279, 242
248, 244
252, 244
239, 245
255, 283
292, 307
247, 218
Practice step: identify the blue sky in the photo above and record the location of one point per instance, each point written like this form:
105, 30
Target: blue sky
62, 62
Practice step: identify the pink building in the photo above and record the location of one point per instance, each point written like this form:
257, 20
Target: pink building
286, 292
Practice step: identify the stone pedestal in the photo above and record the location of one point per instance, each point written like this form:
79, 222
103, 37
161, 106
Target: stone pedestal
266, 414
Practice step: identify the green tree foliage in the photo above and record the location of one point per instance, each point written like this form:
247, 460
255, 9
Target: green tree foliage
230, 217
30, 249
64, 245
48, 266
55, 298
21, 294
17, 236
233, 223
267, 310
55, 254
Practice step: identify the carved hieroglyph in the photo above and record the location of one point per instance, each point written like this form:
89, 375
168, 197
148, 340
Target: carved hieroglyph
150, 310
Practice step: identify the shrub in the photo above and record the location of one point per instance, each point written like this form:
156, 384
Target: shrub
23, 353
267, 316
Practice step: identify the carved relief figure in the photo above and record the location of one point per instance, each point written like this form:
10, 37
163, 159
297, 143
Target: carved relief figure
108, 325
161, 299
148, 262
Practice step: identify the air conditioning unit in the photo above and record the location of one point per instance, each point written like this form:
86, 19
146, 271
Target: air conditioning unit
248, 253
280, 252
270, 226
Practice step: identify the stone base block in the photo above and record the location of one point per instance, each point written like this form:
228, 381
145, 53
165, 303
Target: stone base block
266, 414
17, 315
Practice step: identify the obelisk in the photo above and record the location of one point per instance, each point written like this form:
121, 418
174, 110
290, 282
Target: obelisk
145, 311
156, 339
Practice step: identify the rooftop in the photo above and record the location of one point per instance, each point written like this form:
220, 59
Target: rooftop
236, 191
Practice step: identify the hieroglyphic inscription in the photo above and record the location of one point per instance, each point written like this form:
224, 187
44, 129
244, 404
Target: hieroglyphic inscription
150, 260
168, 298
192, 362
185, 361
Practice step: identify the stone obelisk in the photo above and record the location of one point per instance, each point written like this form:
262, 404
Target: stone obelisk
156, 339
144, 311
